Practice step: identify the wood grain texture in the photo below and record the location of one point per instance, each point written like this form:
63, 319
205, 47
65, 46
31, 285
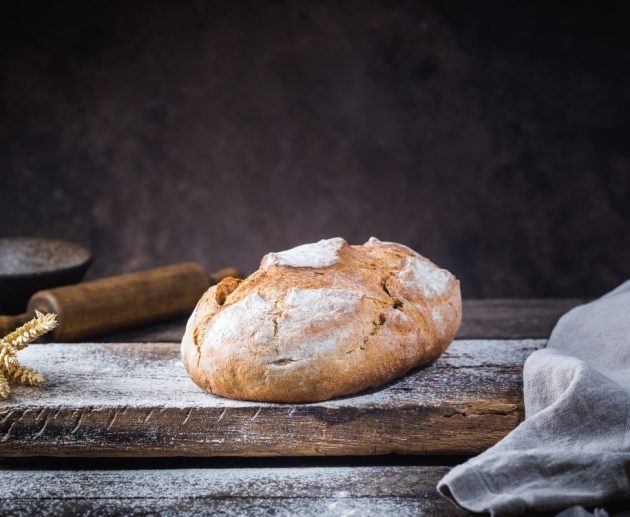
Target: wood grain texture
367, 491
126, 399
495, 318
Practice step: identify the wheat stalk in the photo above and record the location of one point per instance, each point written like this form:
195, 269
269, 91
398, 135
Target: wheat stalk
30, 331
7, 358
5, 390
27, 376
19, 339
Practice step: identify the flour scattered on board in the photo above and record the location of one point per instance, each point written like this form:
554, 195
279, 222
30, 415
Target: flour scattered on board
99, 378
418, 273
324, 253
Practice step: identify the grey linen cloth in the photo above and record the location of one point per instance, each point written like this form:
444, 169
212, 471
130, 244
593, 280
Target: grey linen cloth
573, 448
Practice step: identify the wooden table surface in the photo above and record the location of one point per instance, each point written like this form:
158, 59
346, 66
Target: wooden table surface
128, 395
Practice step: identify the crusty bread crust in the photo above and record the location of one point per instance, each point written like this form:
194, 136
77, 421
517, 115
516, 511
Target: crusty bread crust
321, 321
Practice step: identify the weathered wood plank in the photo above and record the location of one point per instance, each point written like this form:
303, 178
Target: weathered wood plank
482, 319
513, 319
167, 331
122, 399
370, 491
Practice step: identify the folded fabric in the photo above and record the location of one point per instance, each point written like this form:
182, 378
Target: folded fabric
573, 448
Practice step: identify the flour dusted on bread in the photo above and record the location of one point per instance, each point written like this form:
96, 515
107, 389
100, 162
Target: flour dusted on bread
318, 254
321, 320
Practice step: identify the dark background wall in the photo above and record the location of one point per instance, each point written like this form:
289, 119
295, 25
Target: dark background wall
493, 137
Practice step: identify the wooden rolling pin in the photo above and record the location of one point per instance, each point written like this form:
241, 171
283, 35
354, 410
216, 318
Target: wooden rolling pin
111, 304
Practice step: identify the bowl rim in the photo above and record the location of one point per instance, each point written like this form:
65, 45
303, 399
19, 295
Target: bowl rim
83, 263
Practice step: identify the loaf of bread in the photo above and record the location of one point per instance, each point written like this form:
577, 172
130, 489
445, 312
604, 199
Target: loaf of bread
321, 320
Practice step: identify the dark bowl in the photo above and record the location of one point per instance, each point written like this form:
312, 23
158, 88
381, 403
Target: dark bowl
30, 264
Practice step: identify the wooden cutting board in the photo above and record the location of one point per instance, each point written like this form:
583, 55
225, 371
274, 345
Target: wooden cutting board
135, 399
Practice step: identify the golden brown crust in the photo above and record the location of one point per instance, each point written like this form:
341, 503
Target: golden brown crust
323, 321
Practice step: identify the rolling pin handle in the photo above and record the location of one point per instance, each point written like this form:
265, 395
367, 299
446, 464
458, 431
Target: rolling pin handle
9, 323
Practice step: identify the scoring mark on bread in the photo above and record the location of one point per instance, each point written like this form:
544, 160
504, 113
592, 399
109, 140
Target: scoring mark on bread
275, 314
376, 325
384, 286
283, 361
397, 304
